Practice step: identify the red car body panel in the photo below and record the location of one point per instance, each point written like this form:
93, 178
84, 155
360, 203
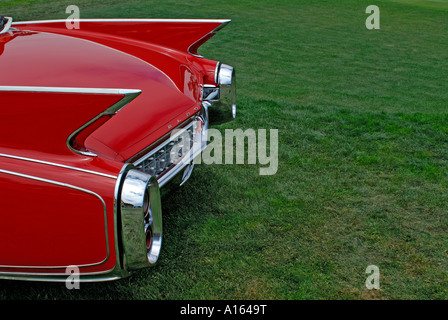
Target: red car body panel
58, 217
58, 205
59, 114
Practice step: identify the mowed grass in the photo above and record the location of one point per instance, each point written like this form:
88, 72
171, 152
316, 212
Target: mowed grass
363, 150
435, 4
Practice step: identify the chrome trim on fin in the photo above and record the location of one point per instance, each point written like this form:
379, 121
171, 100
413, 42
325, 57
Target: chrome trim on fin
223, 24
129, 95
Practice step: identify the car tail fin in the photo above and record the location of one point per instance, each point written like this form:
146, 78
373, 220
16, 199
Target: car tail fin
177, 34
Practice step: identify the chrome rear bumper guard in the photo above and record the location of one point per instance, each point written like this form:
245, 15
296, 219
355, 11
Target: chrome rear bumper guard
141, 218
220, 100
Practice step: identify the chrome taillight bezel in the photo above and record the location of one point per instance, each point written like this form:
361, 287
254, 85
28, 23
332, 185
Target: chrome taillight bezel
140, 214
220, 99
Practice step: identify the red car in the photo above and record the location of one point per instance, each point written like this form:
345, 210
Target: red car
93, 122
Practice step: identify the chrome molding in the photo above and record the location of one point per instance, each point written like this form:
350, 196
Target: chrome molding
128, 97
57, 165
218, 66
70, 187
210, 93
223, 24
223, 21
117, 216
61, 277
69, 90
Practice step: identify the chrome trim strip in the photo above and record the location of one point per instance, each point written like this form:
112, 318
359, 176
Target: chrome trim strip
119, 251
128, 97
187, 173
70, 90
127, 20
71, 187
107, 275
218, 67
224, 23
57, 165
210, 93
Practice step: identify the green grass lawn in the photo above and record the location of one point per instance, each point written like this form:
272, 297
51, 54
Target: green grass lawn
363, 154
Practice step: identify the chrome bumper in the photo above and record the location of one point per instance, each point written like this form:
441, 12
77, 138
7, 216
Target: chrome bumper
220, 100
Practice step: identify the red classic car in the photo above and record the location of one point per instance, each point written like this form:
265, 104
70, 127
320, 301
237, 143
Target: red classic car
94, 121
